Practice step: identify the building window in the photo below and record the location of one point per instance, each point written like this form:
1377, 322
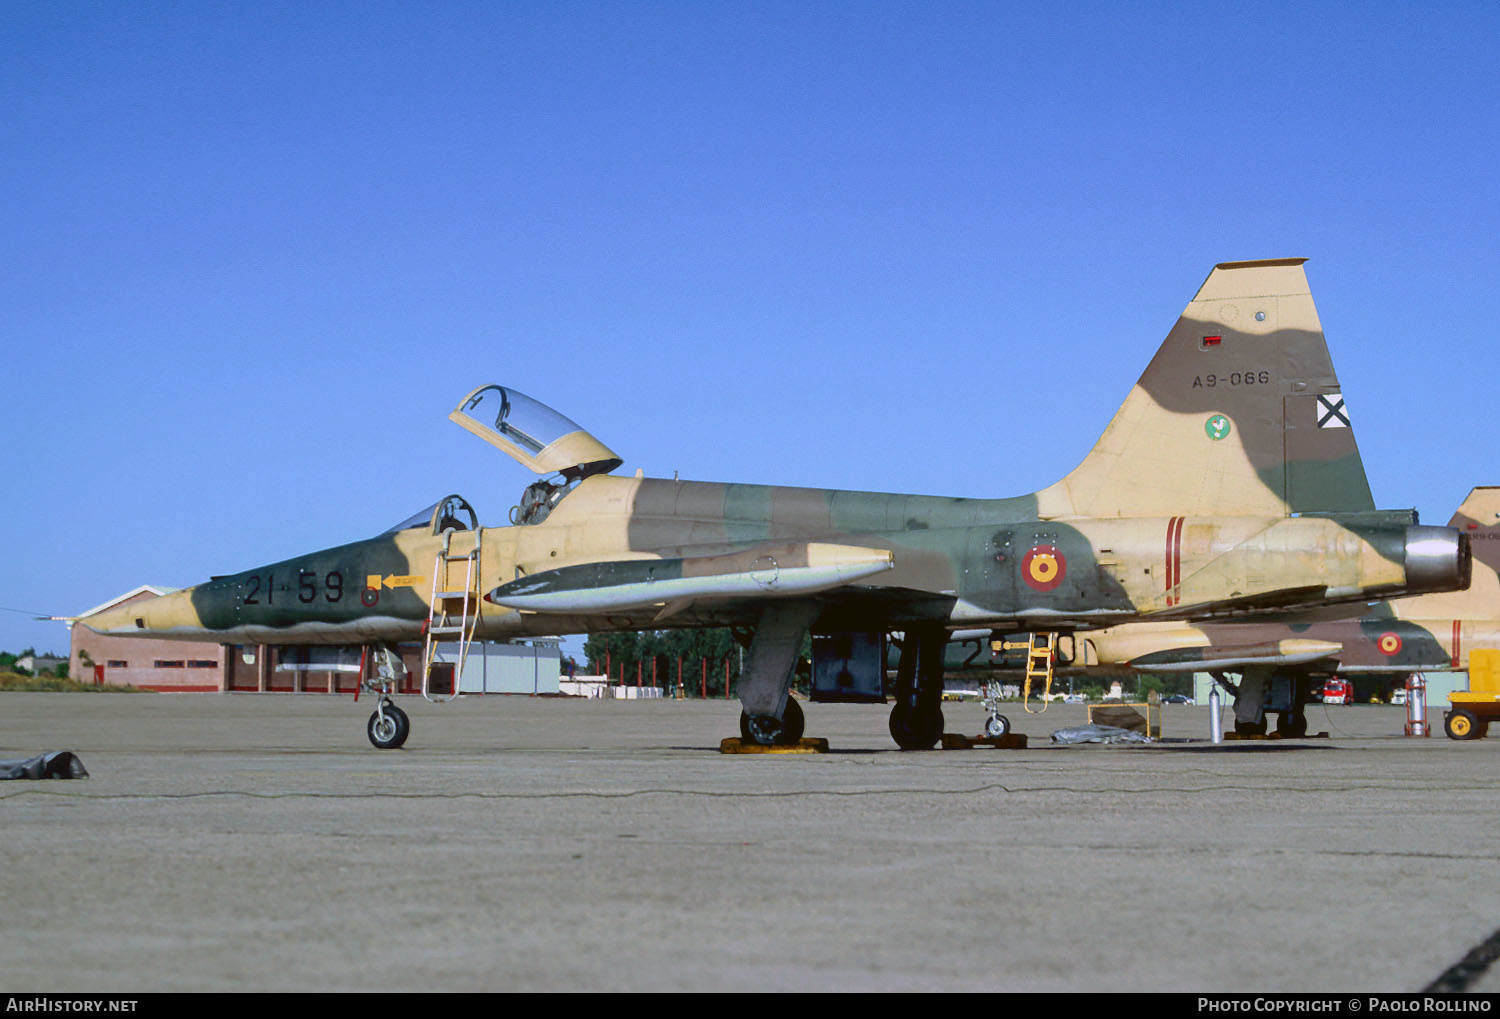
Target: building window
118, 663
202, 663
168, 665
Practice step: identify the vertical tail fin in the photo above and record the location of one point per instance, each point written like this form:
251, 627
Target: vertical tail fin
1479, 517
1472, 610
1239, 412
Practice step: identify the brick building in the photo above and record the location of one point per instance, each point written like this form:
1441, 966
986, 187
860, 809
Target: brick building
150, 664
180, 666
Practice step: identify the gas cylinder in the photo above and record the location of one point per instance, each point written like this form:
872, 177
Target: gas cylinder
1416, 705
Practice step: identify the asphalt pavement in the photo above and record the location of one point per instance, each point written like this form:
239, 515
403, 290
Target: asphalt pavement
257, 842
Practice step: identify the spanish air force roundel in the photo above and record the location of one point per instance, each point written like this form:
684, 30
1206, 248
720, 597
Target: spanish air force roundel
1044, 567
1389, 644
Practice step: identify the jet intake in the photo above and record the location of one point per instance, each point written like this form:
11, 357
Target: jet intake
1437, 559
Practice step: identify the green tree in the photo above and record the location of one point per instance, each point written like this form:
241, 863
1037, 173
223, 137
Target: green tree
703, 654
627, 655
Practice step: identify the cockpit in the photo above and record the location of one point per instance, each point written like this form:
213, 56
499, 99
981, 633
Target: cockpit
450, 513
536, 437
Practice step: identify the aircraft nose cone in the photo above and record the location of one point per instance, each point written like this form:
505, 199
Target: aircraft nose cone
161, 614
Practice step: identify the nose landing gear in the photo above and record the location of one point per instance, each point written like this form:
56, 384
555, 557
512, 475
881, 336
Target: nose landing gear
389, 726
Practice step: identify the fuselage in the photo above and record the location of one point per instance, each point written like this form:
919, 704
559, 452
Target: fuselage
961, 562
1433, 631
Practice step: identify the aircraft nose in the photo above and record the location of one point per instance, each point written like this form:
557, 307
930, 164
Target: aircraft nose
161, 614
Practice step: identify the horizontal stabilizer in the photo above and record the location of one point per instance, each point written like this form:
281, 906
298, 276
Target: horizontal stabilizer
759, 572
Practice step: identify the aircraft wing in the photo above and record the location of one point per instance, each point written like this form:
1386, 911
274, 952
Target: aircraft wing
758, 572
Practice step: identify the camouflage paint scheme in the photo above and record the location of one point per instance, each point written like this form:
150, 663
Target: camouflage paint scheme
1391, 638
1183, 511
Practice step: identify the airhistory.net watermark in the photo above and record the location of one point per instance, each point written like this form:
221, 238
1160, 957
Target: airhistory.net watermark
49, 1003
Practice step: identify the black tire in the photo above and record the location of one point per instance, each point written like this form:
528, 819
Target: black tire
390, 733
997, 726
1461, 724
1291, 724
792, 722
770, 732
1250, 728
917, 730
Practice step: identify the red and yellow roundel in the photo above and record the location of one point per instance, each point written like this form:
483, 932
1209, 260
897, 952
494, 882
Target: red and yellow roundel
1389, 643
1044, 567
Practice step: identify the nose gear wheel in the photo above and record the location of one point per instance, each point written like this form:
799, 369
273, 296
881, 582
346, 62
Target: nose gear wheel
388, 727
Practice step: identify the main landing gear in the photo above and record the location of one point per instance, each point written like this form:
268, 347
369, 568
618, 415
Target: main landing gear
1262, 690
770, 731
917, 717
770, 716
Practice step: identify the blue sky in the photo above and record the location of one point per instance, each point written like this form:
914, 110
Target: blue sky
255, 252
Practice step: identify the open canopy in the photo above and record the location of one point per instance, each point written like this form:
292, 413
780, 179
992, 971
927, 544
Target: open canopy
535, 435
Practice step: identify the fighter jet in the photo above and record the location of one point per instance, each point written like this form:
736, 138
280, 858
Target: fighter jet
1187, 509
1280, 664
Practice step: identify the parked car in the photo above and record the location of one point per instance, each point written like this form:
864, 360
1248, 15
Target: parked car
1177, 698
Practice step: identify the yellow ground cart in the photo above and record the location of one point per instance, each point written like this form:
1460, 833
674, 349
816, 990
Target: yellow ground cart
1470, 710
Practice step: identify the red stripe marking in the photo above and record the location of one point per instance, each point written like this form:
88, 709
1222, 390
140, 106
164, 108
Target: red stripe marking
1173, 554
1455, 643
1177, 562
1167, 555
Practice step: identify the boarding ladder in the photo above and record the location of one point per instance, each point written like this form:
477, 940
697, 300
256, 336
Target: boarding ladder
1041, 649
453, 614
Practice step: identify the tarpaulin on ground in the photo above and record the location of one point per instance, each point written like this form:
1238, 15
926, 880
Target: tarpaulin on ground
1098, 734
54, 764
